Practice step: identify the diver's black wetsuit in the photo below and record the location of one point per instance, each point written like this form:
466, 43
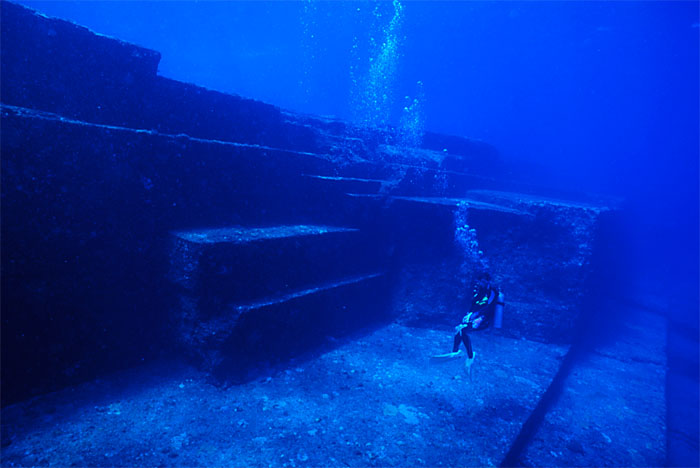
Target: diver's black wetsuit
483, 307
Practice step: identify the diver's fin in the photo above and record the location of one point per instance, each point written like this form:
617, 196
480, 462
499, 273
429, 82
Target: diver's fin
446, 357
468, 365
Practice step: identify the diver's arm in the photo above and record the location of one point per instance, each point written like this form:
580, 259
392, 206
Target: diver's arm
492, 296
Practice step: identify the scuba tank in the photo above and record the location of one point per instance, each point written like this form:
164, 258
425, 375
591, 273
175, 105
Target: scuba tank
498, 313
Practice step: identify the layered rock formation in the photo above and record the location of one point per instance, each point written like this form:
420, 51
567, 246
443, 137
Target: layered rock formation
141, 214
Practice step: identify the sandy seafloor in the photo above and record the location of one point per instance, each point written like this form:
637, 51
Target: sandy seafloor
374, 400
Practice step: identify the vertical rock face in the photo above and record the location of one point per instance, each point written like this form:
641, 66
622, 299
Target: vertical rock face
143, 215
45, 61
537, 249
541, 259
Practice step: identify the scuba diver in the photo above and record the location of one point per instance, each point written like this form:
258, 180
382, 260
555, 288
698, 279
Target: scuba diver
486, 309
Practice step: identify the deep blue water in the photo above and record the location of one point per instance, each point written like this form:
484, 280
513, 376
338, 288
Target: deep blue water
602, 96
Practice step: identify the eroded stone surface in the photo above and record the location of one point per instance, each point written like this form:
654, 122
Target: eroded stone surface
244, 235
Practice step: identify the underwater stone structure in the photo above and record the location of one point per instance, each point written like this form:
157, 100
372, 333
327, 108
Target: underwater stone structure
538, 249
237, 307
142, 214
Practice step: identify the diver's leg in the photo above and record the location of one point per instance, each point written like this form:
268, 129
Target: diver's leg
457, 341
470, 354
456, 352
467, 343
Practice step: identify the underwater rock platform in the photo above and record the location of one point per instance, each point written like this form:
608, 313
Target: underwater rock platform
372, 400
612, 406
204, 279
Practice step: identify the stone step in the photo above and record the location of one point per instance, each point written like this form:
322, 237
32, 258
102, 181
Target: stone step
521, 200
241, 264
219, 329
517, 203
447, 202
279, 326
349, 184
192, 181
474, 204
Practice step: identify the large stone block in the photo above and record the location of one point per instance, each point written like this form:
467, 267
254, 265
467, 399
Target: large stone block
239, 264
242, 291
